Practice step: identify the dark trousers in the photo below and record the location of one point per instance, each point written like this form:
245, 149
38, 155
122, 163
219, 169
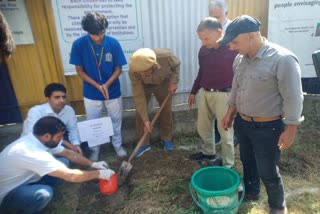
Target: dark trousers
217, 136
260, 155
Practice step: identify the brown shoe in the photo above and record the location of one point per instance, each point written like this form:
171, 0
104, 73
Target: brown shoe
278, 211
251, 197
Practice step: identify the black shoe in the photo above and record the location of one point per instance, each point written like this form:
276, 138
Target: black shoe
251, 197
214, 161
200, 156
278, 211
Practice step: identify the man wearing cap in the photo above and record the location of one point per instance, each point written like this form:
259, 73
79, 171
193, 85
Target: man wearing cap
213, 83
266, 100
154, 72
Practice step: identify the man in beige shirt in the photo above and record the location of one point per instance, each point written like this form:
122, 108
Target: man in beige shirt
154, 72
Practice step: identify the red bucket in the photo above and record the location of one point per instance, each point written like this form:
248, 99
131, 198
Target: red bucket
108, 187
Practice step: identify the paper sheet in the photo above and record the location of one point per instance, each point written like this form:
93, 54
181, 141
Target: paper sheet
96, 131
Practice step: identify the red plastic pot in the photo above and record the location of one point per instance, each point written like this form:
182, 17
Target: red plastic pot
108, 187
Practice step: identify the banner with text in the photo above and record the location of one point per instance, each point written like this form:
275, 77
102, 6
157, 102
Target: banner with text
295, 25
17, 18
124, 19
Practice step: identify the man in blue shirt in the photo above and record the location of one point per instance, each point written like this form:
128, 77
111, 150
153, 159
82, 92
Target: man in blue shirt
98, 59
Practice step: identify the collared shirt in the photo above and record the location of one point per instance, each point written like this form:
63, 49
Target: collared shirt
168, 70
226, 24
215, 68
268, 85
86, 53
67, 116
25, 161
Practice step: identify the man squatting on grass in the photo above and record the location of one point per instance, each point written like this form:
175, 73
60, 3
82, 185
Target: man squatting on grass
29, 171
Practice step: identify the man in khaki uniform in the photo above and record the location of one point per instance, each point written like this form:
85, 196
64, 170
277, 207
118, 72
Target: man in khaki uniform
154, 72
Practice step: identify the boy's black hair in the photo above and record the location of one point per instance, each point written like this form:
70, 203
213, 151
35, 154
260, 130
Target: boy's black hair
94, 23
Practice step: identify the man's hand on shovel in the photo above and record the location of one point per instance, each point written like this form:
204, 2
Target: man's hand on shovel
126, 166
147, 127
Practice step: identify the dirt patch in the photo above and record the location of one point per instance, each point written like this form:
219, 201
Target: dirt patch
99, 203
159, 183
302, 159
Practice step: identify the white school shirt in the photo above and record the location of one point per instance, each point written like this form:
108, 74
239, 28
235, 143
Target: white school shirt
67, 116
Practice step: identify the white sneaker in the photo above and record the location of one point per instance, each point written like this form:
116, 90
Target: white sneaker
240, 188
121, 152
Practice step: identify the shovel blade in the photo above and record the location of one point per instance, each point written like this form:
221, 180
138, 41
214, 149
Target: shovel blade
124, 169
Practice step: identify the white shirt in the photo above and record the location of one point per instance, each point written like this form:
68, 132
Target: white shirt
24, 161
225, 25
67, 116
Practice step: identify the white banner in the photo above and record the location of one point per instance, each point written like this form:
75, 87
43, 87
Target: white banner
295, 24
17, 18
124, 19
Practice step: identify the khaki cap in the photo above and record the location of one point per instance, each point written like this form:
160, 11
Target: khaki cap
142, 60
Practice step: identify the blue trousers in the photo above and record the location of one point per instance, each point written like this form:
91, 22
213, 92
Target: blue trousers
32, 197
260, 155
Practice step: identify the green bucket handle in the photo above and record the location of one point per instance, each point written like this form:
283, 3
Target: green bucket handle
195, 198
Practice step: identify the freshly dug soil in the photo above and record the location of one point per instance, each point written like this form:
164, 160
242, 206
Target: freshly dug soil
155, 173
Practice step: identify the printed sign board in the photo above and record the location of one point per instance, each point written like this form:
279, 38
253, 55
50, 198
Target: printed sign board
295, 25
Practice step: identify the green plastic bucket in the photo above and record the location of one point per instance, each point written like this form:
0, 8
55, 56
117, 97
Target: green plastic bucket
215, 189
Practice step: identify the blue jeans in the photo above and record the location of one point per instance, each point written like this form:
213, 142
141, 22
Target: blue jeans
260, 155
32, 197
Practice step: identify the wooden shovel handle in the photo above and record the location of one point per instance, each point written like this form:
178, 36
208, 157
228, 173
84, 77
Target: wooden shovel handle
151, 125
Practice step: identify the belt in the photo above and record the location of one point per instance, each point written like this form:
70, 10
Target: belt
259, 119
228, 89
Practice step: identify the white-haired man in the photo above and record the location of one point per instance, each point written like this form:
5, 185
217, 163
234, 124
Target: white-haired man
219, 10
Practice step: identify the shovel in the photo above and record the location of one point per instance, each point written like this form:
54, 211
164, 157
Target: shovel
126, 166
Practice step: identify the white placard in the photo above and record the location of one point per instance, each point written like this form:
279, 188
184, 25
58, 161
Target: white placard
17, 18
124, 19
96, 131
295, 24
